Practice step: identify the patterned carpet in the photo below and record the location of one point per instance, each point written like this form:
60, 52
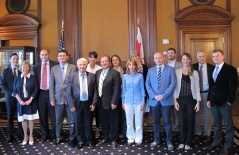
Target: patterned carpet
46, 148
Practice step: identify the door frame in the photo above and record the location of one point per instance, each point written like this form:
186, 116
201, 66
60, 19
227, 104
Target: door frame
204, 19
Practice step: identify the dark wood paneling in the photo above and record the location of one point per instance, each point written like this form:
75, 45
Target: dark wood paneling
70, 11
144, 12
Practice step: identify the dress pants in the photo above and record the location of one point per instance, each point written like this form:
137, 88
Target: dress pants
11, 105
175, 118
109, 123
186, 116
45, 109
59, 109
82, 119
207, 117
134, 131
157, 112
223, 112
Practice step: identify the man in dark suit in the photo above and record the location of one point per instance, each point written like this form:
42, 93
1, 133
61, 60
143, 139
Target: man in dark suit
81, 95
7, 81
42, 71
222, 92
58, 84
205, 74
108, 86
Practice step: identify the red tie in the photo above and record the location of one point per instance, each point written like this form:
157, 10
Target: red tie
44, 77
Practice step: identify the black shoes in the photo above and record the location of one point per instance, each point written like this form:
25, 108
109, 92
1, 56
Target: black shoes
9, 138
57, 141
43, 138
102, 142
72, 143
211, 146
79, 146
113, 145
90, 146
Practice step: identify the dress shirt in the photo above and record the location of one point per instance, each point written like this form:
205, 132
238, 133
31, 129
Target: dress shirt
204, 77
85, 81
220, 67
162, 66
16, 70
172, 64
133, 92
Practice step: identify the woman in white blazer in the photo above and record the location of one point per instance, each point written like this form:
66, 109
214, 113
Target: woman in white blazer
186, 100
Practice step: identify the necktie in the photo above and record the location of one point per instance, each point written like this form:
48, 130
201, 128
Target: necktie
201, 77
159, 76
102, 77
44, 77
14, 73
84, 91
63, 73
216, 73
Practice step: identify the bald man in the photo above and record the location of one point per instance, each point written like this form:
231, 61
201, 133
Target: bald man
160, 89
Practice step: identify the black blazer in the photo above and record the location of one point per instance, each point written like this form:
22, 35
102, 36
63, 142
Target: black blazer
7, 83
37, 70
111, 88
210, 69
224, 89
73, 90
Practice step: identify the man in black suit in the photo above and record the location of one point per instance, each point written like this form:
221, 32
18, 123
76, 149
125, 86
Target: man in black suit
222, 93
108, 86
205, 71
42, 71
7, 81
81, 95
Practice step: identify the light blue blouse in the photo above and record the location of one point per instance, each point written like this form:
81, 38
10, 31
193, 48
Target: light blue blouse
133, 92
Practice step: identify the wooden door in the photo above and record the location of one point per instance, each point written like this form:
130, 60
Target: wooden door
202, 41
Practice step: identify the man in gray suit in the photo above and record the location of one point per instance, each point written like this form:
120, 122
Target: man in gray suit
176, 65
160, 84
58, 84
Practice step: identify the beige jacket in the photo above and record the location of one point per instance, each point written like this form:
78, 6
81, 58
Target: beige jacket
194, 84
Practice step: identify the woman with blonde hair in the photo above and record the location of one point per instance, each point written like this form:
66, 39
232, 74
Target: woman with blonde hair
186, 100
25, 90
133, 95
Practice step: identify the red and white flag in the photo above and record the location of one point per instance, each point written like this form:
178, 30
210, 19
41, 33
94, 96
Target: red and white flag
139, 44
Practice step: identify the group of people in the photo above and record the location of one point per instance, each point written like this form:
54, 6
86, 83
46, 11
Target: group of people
179, 92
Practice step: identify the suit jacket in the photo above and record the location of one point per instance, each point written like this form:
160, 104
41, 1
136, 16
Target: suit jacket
224, 89
166, 88
57, 89
194, 81
210, 69
73, 90
7, 83
178, 65
37, 70
111, 88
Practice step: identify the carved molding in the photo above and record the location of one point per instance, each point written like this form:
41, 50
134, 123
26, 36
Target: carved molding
19, 26
204, 15
202, 2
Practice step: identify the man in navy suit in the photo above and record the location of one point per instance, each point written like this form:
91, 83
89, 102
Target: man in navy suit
7, 81
81, 95
205, 74
222, 92
42, 71
108, 86
160, 84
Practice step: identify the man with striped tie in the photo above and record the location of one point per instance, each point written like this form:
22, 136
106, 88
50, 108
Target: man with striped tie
108, 86
160, 84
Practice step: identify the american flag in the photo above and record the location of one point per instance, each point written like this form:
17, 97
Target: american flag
62, 43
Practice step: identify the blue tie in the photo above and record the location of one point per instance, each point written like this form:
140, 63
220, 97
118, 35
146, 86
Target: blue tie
63, 73
216, 74
84, 93
159, 76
